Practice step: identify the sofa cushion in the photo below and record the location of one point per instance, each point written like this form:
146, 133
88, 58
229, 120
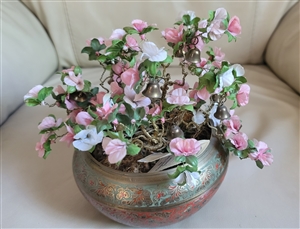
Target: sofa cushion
77, 21
248, 197
29, 57
282, 52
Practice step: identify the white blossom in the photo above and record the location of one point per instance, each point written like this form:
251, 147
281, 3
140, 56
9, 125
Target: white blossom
151, 51
227, 78
86, 139
191, 179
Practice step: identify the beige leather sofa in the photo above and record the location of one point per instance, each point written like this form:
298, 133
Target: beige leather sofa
40, 37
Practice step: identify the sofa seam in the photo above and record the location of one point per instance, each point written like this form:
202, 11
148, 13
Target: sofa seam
70, 31
252, 34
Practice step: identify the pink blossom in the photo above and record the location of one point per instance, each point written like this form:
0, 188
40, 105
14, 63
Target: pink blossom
185, 147
243, 95
84, 118
219, 56
173, 35
69, 137
49, 122
122, 109
131, 43
40, 145
203, 64
262, 153
72, 115
33, 93
73, 80
70, 104
199, 94
139, 25
115, 149
130, 77
216, 30
98, 99
59, 89
106, 109
220, 14
178, 83
156, 109
234, 26
115, 89
180, 97
240, 141
200, 44
117, 34
135, 100
233, 125
202, 24
68, 70
118, 68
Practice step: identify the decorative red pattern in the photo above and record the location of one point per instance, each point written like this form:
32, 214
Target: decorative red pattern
154, 218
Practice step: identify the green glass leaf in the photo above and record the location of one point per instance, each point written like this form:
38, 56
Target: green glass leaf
92, 113
77, 70
113, 135
87, 86
195, 21
192, 169
179, 170
102, 58
186, 19
230, 37
93, 56
118, 44
101, 125
44, 93
152, 69
188, 107
130, 30
95, 44
148, 29
77, 129
139, 113
132, 62
180, 159
31, 102
168, 60
95, 91
88, 50
124, 119
240, 80
251, 144
168, 107
211, 15
209, 81
259, 164
192, 161
47, 145
133, 149
234, 105
71, 89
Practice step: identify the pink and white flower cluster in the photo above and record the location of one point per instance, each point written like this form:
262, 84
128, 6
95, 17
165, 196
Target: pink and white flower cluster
113, 113
240, 141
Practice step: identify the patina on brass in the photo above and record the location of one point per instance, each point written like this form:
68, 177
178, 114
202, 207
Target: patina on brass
193, 56
153, 90
222, 113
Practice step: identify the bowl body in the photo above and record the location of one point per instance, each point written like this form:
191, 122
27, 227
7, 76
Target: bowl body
148, 199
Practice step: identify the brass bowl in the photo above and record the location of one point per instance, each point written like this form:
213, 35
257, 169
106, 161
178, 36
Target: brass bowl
148, 199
